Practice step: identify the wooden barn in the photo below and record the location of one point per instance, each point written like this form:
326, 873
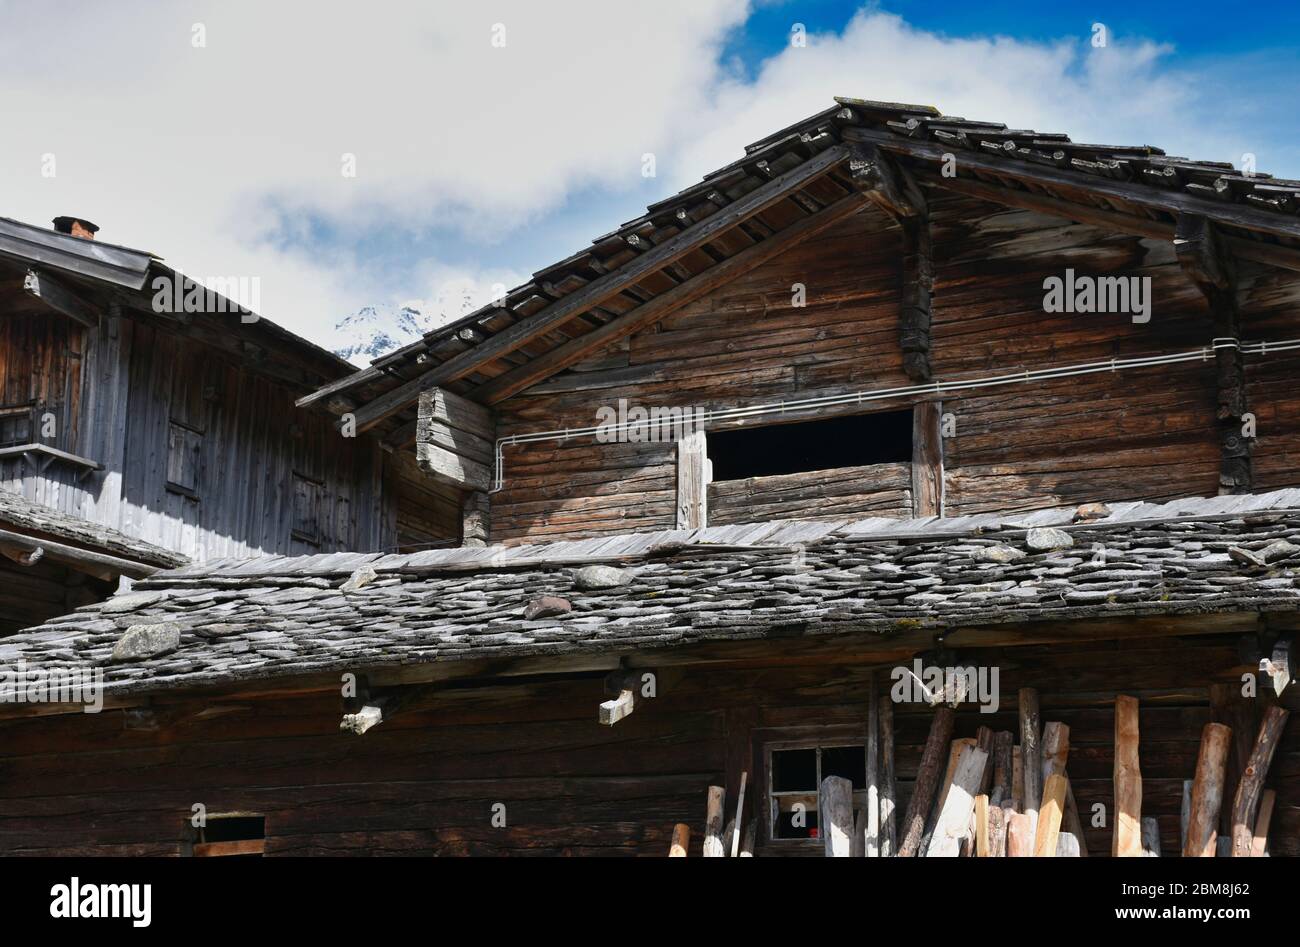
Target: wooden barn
144, 423
913, 485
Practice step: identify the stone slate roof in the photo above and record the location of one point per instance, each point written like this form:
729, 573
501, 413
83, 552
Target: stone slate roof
21, 515
237, 621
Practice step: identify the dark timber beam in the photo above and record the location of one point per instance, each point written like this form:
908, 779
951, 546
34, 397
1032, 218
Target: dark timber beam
885, 182
1205, 262
602, 289
544, 366
61, 299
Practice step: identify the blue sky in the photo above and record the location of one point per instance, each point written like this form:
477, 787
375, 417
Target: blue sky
479, 162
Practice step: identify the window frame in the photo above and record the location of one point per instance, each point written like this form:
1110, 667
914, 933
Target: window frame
198, 848
805, 738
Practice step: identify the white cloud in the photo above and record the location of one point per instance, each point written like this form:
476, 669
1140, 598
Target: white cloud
226, 159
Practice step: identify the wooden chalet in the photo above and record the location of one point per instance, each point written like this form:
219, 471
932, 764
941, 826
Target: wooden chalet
139, 430
895, 392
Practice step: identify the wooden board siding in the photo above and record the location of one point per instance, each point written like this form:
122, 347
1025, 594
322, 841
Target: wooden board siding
32, 594
252, 442
425, 781
1269, 301
876, 490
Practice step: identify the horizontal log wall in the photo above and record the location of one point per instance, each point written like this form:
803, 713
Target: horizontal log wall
425, 781
1269, 300
876, 490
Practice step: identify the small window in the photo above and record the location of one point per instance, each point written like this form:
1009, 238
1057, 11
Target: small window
306, 508
184, 445
855, 441
795, 774
229, 836
15, 424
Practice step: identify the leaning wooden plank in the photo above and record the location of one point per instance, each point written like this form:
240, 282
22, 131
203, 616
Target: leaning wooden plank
933, 757
888, 788
1073, 821
740, 815
1020, 835
998, 831
1184, 814
1207, 792
871, 835
1067, 845
1004, 744
681, 841
984, 740
1050, 813
713, 823
982, 809
1056, 749
955, 750
1259, 844
602, 289
953, 825
1252, 781
1126, 840
1031, 760
836, 798
1150, 837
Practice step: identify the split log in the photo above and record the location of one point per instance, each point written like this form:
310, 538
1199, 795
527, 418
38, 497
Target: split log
1056, 749
953, 824
888, 788
984, 740
1073, 821
740, 815
1184, 814
1020, 835
747, 844
997, 832
1252, 781
955, 750
836, 816
982, 843
1050, 813
927, 780
1207, 792
1230, 707
1031, 757
871, 840
1126, 840
681, 841
1067, 845
1259, 844
713, 823
858, 849
1003, 746
1017, 780
1150, 836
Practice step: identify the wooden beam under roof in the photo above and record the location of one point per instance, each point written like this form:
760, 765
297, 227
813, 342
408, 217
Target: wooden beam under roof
62, 298
602, 289
544, 366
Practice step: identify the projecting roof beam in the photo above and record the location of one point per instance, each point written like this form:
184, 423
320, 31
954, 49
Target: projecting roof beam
602, 289
61, 299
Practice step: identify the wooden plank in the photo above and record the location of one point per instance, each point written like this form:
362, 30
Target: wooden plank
888, 787
1245, 805
836, 799
452, 469
713, 823
681, 841
1003, 749
927, 459
927, 780
998, 831
1127, 838
1150, 836
1031, 754
547, 364
740, 815
1056, 749
954, 822
871, 831
1050, 813
982, 841
62, 298
887, 183
601, 289
693, 476
82, 560
1259, 841
1207, 792
1020, 835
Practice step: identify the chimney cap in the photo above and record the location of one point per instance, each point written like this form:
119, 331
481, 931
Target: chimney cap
64, 224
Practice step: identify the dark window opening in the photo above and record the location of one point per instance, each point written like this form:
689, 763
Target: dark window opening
231, 836
795, 777
15, 424
306, 508
855, 441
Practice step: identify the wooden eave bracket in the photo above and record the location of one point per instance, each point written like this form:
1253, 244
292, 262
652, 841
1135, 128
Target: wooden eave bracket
887, 183
621, 686
62, 298
1277, 665
373, 707
24, 556
1201, 254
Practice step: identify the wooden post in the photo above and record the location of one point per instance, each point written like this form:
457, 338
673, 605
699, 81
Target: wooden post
927, 780
1126, 840
997, 832
681, 841
713, 823
982, 843
1050, 813
1207, 792
1252, 781
1073, 821
927, 459
1259, 844
955, 750
953, 824
475, 519
871, 843
1004, 743
1067, 846
1184, 814
1150, 837
1020, 835
1056, 749
1031, 756
1229, 707
740, 816
747, 844
888, 789
836, 820
693, 477
1017, 780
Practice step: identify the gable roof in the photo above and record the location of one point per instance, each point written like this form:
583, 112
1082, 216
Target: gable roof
785, 188
281, 617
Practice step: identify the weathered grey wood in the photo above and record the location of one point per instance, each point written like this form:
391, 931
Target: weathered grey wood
476, 519
83, 560
454, 440
997, 818
740, 815
62, 298
1246, 803
836, 799
927, 459
1004, 745
1150, 836
871, 829
621, 686
954, 820
692, 481
1067, 845
1185, 814
713, 823
934, 757
887, 183
888, 788
1207, 792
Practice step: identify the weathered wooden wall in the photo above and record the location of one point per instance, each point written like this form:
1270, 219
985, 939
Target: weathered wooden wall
425, 782
1145, 433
